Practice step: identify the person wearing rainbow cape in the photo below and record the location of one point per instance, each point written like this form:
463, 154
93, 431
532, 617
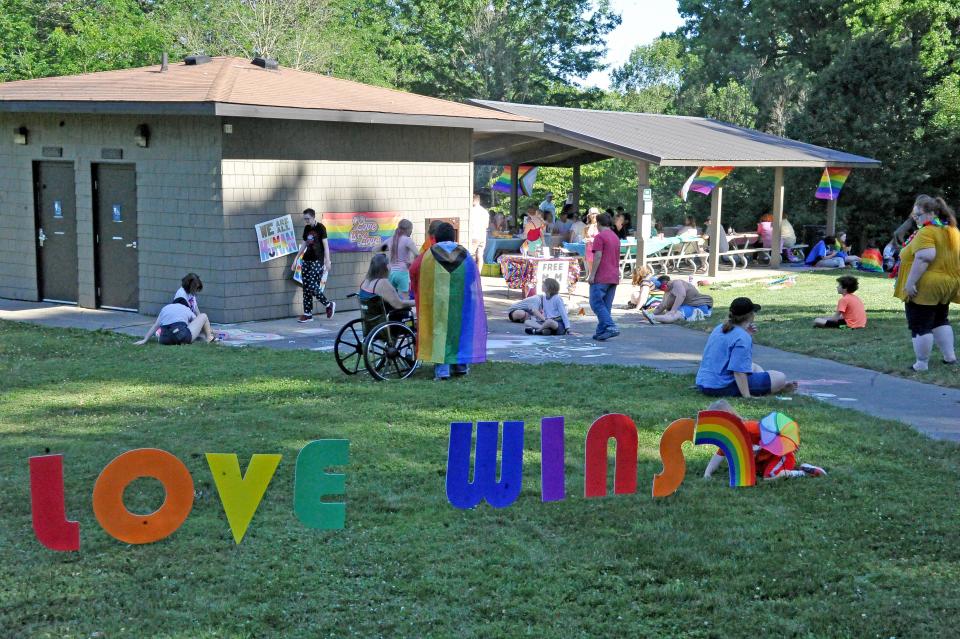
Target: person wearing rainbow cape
451, 320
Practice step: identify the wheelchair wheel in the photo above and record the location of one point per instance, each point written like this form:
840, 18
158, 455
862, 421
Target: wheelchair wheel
390, 351
348, 347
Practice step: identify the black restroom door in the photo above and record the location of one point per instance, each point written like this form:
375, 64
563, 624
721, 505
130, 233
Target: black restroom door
56, 220
115, 227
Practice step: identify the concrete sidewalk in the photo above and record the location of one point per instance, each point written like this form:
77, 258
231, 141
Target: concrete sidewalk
933, 410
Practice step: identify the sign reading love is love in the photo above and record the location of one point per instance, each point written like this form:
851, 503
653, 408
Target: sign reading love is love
357, 232
241, 493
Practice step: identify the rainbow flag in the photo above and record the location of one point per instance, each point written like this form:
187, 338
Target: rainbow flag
831, 182
704, 180
871, 261
451, 321
357, 232
528, 176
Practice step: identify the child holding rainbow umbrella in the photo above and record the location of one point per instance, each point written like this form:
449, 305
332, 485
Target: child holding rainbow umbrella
775, 439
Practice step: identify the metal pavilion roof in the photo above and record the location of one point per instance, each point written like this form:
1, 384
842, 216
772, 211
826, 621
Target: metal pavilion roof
580, 136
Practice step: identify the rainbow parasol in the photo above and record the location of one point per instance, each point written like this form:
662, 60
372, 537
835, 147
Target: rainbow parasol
779, 434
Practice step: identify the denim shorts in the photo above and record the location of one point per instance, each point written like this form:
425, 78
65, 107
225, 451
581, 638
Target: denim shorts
759, 384
175, 334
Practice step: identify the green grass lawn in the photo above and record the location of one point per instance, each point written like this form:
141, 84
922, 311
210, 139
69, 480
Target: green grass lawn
869, 551
786, 322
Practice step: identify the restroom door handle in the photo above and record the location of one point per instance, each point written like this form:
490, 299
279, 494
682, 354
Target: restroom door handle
132, 244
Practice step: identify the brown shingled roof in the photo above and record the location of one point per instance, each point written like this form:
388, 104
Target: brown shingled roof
238, 82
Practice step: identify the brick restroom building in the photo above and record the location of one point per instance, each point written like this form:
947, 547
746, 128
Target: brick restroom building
113, 185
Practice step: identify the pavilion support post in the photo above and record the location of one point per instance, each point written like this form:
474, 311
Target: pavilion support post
716, 224
514, 192
831, 217
576, 189
644, 218
776, 255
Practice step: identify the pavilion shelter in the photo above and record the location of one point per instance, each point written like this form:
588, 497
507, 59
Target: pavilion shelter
114, 185
574, 137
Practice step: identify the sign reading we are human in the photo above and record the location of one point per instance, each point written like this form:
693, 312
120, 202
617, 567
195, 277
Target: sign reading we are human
276, 238
241, 493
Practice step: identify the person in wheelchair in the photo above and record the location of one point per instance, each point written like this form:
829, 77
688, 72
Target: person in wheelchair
377, 285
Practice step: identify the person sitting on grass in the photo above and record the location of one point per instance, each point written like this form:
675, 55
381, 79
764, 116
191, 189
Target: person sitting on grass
178, 324
825, 254
769, 465
727, 368
682, 301
542, 314
850, 310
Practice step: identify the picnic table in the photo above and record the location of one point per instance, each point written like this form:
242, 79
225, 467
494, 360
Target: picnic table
526, 273
653, 247
497, 246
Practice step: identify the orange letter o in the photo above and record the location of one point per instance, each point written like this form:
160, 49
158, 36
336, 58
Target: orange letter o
119, 522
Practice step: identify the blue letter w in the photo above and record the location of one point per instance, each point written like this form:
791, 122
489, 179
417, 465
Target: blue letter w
499, 494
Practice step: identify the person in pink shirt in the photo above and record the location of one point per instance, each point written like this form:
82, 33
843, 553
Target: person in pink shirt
604, 277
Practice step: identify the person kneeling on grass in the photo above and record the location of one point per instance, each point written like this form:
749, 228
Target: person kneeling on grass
727, 368
769, 465
682, 301
850, 310
178, 324
542, 314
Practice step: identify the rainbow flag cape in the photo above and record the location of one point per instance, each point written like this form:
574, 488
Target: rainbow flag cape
871, 261
704, 180
451, 321
831, 182
357, 232
527, 174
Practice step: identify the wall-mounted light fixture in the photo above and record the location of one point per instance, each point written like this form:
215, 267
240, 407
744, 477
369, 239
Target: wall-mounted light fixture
20, 135
142, 136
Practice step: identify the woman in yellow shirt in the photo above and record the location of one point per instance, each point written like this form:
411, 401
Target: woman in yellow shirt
929, 279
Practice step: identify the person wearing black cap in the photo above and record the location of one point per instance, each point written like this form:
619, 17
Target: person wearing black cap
727, 368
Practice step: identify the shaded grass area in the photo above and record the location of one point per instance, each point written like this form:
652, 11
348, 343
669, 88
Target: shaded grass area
868, 552
786, 322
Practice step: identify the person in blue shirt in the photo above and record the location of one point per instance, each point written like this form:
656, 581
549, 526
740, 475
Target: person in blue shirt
727, 368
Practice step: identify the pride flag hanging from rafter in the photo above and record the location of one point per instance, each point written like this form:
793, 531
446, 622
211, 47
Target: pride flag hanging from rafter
704, 180
528, 176
831, 182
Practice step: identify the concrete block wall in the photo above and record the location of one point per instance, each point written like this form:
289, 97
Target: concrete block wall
178, 200
273, 168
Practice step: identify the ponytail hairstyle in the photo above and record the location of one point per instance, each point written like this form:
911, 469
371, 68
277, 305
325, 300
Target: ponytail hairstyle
405, 227
736, 320
937, 207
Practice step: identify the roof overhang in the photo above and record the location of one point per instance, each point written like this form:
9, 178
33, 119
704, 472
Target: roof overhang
560, 146
488, 125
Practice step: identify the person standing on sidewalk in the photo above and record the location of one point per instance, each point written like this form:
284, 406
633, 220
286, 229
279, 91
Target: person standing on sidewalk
604, 277
315, 254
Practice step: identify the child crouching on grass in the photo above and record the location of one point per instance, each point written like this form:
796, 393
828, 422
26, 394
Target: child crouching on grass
542, 314
769, 466
850, 310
